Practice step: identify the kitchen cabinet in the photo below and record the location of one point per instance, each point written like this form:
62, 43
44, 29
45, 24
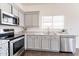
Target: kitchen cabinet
34, 42
35, 20
32, 19
4, 48
45, 43
6, 7
28, 20
15, 10
21, 18
37, 42
55, 43
30, 42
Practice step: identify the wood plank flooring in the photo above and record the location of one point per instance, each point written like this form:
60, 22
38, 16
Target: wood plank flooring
46, 53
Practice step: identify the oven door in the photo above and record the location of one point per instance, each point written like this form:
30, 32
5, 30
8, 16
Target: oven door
17, 46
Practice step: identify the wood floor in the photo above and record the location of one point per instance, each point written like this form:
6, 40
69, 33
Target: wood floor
46, 53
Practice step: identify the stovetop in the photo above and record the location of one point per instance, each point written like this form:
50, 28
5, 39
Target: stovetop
8, 34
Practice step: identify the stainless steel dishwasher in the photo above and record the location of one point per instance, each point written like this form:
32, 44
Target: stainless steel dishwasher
68, 43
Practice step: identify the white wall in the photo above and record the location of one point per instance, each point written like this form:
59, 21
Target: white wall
70, 12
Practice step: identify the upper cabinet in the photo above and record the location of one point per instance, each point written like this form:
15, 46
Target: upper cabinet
15, 10
32, 19
28, 20
21, 18
5, 7
35, 19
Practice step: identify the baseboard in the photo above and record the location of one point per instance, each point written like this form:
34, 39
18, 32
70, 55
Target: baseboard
42, 50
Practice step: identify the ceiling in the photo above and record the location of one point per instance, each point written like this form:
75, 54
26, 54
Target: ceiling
29, 4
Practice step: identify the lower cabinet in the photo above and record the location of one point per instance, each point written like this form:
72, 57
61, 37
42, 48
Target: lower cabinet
45, 43
30, 42
4, 52
4, 48
37, 42
55, 44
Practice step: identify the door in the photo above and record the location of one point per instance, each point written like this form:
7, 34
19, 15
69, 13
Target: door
55, 43
45, 43
37, 42
30, 42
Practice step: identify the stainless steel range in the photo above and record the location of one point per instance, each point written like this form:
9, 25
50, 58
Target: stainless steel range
17, 46
15, 42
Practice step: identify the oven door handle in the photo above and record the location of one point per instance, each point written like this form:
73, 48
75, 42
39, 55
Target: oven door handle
17, 39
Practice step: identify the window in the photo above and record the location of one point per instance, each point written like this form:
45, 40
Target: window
56, 22
47, 21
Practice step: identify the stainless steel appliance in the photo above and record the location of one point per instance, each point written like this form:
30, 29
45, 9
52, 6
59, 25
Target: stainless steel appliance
17, 46
68, 43
16, 42
8, 19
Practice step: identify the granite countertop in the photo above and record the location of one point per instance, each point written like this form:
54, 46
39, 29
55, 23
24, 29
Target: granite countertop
58, 34
40, 33
66, 35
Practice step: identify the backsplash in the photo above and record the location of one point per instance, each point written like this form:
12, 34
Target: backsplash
17, 29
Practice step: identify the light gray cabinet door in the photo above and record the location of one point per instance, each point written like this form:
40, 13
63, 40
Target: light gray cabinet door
35, 19
30, 42
6, 7
15, 10
4, 49
28, 20
45, 43
21, 18
32, 19
37, 42
55, 44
